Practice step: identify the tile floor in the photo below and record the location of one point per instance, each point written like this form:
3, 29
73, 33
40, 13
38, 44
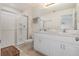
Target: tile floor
27, 50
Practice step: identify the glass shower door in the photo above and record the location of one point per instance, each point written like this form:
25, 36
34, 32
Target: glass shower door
22, 30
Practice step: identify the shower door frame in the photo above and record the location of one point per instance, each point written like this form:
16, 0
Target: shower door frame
17, 29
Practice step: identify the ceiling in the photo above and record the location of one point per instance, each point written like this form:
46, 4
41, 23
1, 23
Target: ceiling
25, 6
22, 6
38, 8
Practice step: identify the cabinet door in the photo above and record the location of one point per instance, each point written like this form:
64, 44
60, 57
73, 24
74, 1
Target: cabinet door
44, 45
36, 42
56, 48
71, 49
41, 44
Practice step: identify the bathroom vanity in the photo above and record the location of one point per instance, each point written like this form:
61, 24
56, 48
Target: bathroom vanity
56, 44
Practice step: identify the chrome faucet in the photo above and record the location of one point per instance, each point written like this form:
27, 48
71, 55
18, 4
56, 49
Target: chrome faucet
64, 30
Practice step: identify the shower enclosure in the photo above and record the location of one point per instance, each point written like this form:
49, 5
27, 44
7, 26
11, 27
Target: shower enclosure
21, 31
13, 28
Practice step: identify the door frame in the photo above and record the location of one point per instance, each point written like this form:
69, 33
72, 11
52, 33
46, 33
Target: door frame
27, 25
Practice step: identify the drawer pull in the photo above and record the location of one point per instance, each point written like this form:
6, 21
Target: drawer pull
0, 41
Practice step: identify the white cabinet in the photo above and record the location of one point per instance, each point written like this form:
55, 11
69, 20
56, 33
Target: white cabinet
36, 42
59, 48
56, 48
44, 46
70, 49
40, 44
55, 45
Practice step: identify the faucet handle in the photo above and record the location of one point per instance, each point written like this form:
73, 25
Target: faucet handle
64, 30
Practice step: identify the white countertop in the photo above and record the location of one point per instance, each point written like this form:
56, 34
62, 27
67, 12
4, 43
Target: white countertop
60, 33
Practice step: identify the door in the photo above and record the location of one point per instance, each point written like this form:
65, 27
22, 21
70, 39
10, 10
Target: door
21, 29
7, 28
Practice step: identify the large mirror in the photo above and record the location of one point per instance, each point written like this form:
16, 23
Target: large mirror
59, 17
